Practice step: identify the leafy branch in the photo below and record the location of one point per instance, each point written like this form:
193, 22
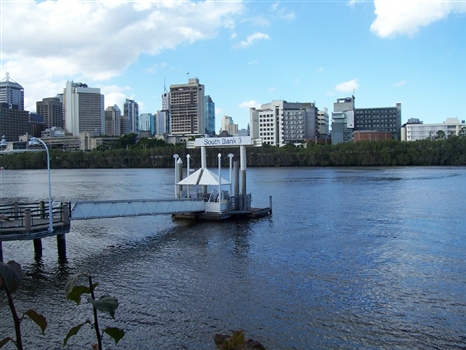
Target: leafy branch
11, 277
105, 304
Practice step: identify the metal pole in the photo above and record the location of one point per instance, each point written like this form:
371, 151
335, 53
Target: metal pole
34, 140
230, 155
219, 183
176, 156
189, 173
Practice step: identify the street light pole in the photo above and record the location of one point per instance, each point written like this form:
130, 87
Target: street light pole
35, 141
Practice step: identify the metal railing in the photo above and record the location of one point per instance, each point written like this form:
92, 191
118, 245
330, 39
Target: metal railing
15, 215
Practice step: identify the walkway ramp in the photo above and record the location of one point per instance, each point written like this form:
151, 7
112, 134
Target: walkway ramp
84, 210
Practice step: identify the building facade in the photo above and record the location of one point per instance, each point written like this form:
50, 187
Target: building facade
84, 109
112, 121
381, 119
146, 123
162, 122
51, 109
343, 120
280, 122
14, 122
346, 119
131, 110
187, 115
414, 129
11, 92
229, 126
209, 110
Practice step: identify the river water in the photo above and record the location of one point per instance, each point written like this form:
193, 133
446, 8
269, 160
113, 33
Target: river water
352, 258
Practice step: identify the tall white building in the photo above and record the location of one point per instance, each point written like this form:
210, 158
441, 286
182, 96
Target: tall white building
162, 122
280, 122
84, 109
131, 110
322, 122
112, 121
187, 108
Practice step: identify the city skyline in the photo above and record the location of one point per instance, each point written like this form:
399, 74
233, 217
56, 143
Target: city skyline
245, 53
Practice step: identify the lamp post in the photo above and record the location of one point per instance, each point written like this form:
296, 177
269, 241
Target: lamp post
35, 141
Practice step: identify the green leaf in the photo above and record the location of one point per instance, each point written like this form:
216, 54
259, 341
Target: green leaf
115, 333
37, 318
71, 282
5, 341
74, 331
76, 292
105, 304
11, 275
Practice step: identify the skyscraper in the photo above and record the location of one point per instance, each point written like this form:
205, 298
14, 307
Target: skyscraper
84, 109
131, 110
209, 110
11, 92
187, 108
112, 121
52, 110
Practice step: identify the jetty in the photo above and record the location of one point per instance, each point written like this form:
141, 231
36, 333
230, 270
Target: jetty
202, 194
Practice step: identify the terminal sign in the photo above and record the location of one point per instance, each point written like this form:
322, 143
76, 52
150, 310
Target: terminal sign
224, 141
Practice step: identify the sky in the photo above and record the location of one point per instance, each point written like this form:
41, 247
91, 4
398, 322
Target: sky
245, 53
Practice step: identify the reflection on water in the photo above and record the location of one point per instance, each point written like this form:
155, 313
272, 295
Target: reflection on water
350, 258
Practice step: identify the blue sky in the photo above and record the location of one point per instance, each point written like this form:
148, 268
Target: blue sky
245, 53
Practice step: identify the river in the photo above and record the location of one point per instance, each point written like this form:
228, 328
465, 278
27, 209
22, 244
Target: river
352, 258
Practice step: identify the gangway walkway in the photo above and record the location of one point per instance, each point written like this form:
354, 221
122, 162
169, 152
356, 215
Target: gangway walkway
84, 210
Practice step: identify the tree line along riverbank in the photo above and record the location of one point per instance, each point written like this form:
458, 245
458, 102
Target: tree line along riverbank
449, 151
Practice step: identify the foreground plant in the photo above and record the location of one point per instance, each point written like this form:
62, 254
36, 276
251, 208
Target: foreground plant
236, 341
106, 304
11, 277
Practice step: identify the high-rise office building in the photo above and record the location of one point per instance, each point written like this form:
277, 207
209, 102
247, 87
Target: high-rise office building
346, 119
187, 108
280, 122
146, 122
13, 122
11, 93
131, 110
162, 122
52, 110
382, 119
84, 109
209, 111
112, 121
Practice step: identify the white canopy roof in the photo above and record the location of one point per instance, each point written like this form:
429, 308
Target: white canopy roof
203, 177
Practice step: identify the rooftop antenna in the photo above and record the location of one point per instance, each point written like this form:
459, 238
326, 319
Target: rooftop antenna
164, 86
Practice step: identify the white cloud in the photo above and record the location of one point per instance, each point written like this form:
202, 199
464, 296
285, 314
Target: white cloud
251, 39
282, 13
271, 88
407, 17
249, 104
50, 42
347, 86
401, 83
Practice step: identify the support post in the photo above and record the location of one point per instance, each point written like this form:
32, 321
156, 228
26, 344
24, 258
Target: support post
42, 209
1, 252
242, 150
236, 187
27, 219
179, 165
65, 213
203, 167
37, 248
61, 246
